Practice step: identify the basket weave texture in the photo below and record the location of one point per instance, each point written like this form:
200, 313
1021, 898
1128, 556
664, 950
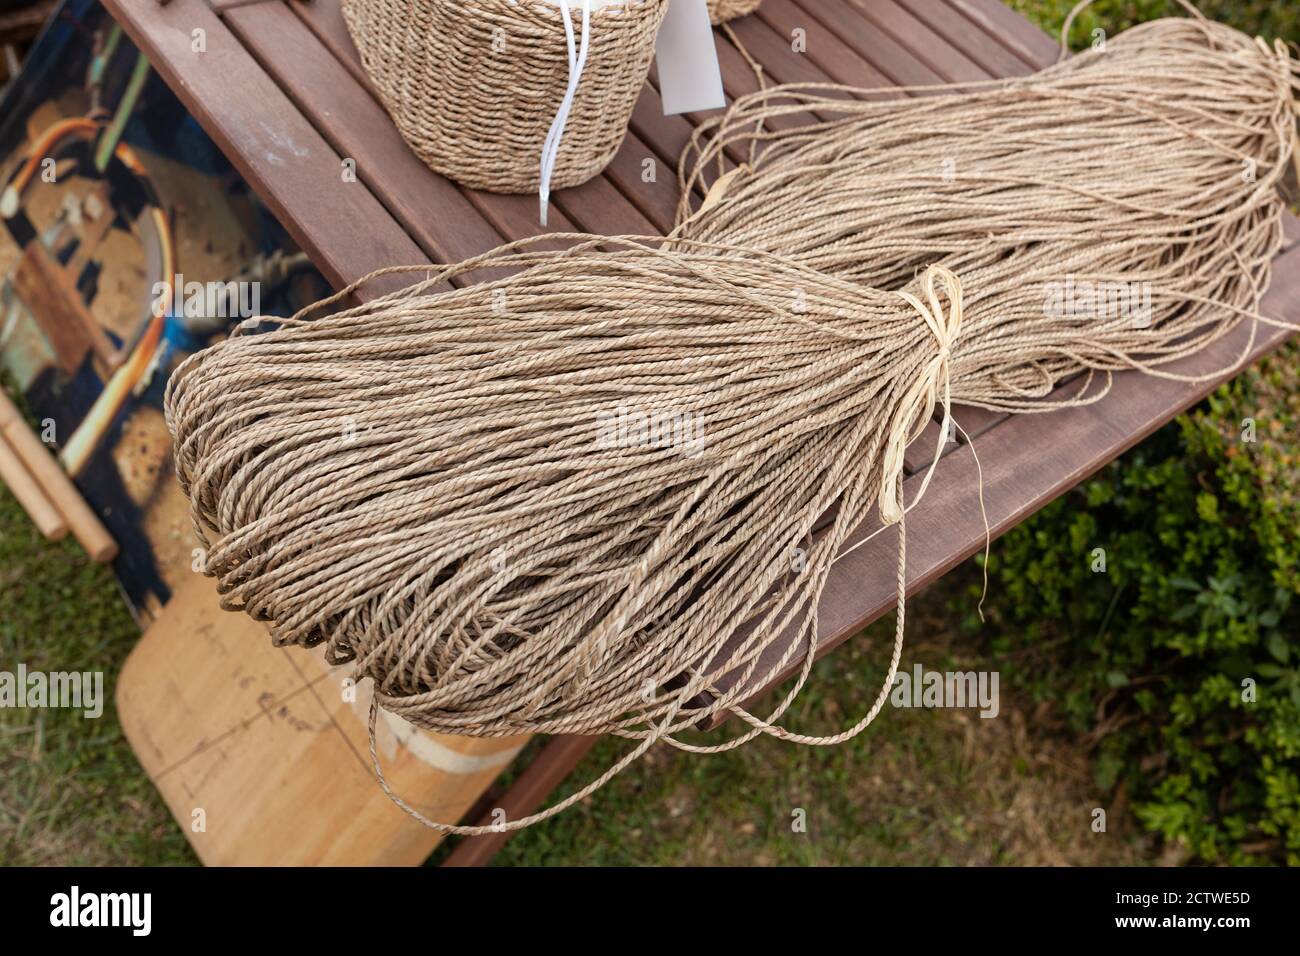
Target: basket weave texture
473, 85
723, 10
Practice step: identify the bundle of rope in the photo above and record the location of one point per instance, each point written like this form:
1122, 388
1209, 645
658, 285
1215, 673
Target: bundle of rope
1154, 163
565, 499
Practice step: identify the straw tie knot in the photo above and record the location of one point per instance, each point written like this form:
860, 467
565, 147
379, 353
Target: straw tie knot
932, 385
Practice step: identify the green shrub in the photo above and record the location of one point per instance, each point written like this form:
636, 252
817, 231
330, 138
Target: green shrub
1202, 537
1153, 658
1271, 18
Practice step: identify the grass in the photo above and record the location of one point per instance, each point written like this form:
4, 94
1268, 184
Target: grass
918, 787
71, 791
1272, 18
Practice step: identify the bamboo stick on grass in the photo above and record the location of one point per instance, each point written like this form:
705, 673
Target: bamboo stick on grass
53, 482
35, 502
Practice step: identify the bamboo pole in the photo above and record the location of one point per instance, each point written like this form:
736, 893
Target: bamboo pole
53, 483
29, 494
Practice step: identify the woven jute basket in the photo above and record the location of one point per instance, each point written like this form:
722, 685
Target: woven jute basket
723, 10
473, 85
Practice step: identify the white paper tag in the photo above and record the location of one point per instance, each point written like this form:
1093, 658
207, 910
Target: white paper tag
689, 78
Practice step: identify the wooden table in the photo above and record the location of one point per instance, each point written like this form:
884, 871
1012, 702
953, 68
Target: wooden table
281, 90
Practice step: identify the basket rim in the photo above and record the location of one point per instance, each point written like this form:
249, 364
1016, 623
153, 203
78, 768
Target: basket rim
542, 9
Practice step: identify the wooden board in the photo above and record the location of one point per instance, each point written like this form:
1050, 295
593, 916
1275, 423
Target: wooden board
262, 753
47, 291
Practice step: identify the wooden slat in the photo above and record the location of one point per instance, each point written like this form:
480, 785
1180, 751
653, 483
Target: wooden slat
774, 51
657, 200
1010, 29
326, 21
920, 39
739, 78
975, 421
58, 309
261, 131
946, 527
781, 64
667, 134
769, 40
835, 57
360, 130
733, 152
221, 6
983, 49
598, 206
920, 453
879, 49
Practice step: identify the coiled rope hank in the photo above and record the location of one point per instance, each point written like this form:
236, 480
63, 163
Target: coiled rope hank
428, 485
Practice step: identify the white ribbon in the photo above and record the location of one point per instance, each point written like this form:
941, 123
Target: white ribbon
577, 62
